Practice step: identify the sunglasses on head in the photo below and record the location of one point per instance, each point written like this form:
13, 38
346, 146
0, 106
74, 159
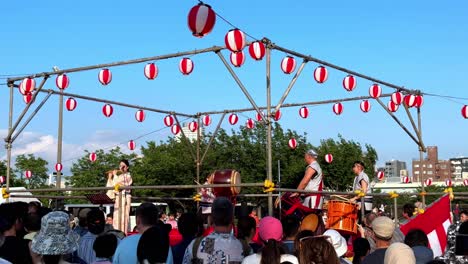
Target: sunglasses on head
328, 238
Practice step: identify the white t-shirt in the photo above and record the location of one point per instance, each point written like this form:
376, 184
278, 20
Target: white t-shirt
216, 248
256, 258
316, 180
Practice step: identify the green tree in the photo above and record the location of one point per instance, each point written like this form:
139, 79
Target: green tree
38, 167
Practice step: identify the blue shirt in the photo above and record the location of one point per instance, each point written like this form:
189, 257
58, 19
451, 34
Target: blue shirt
126, 252
85, 248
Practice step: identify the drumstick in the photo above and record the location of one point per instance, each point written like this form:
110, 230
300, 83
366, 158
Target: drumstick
340, 197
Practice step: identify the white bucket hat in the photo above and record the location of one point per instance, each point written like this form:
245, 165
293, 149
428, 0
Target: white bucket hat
338, 242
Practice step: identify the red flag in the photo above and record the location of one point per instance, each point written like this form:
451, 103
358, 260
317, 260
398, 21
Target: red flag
434, 222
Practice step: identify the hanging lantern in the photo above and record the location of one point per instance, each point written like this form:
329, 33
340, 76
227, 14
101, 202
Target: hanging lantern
27, 85
27, 98
277, 115
186, 66
28, 174
206, 120
107, 110
2, 179
257, 50
292, 143
233, 118
259, 116
392, 107
329, 158
235, 40
338, 108
288, 64
70, 104
320, 74
168, 120
304, 112
406, 179
58, 167
62, 81
380, 175
464, 111
151, 71
175, 129
349, 83
131, 145
397, 98
365, 106
465, 182
428, 182
375, 91
105, 76
409, 100
237, 58
92, 157
201, 20
140, 115
193, 126
419, 100
250, 123
448, 182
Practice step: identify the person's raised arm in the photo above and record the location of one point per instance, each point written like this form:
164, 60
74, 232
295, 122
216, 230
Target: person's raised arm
305, 180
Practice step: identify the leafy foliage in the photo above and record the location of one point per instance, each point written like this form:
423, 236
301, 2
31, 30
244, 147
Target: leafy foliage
38, 167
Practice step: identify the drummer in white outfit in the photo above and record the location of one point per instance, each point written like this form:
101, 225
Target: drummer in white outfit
312, 181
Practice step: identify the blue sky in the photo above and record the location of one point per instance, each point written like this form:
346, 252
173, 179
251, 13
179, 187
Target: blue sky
409, 43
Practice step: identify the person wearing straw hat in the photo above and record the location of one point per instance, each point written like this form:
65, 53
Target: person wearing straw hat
55, 239
312, 181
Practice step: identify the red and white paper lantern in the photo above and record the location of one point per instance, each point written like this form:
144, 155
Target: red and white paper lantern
107, 110
2, 179
233, 118
131, 145
186, 66
397, 98
406, 179
27, 98
70, 104
304, 112
375, 91
365, 106
193, 126
140, 115
320, 74
206, 120
277, 115
392, 107
292, 143
338, 108
349, 83
237, 58
259, 116
465, 182
329, 158
92, 157
428, 182
28, 174
257, 50
201, 20
409, 100
151, 71
175, 129
27, 85
464, 111
62, 81
168, 120
58, 167
380, 175
419, 101
250, 123
448, 182
235, 40
288, 64
105, 76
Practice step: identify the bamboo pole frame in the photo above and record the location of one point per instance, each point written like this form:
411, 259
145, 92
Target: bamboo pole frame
216, 49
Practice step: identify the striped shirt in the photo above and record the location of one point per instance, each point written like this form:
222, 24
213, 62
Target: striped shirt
85, 248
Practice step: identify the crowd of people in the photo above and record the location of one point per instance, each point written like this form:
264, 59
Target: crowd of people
34, 234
